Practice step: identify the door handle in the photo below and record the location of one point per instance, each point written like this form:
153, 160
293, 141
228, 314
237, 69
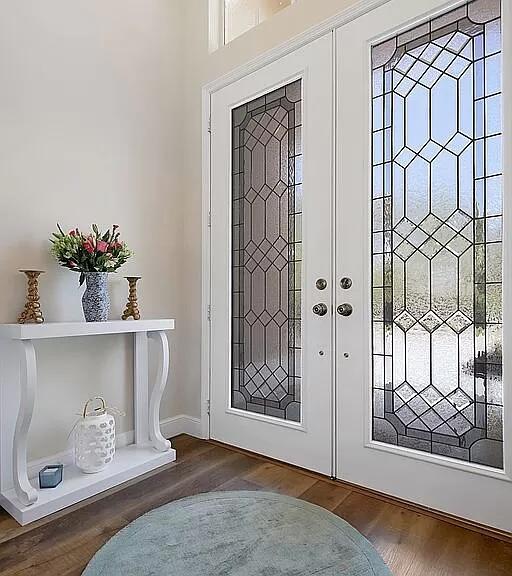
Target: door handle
320, 309
345, 309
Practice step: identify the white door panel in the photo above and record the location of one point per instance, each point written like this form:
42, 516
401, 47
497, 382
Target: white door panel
271, 189
422, 405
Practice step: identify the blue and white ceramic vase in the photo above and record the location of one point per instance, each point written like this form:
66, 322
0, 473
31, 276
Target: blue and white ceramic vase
95, 300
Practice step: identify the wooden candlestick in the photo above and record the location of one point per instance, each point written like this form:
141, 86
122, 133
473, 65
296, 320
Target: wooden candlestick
132, 306
32, 311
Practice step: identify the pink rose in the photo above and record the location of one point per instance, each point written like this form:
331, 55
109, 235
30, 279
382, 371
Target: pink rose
72, 233
101, 246
72, 264
88, 246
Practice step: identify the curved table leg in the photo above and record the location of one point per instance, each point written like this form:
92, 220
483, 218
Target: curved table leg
26, 493
155, 435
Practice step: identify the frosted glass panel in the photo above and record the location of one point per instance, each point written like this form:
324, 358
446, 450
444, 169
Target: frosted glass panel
267, 249
437, 199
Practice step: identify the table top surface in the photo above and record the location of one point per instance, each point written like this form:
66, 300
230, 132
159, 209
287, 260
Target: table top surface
69, 329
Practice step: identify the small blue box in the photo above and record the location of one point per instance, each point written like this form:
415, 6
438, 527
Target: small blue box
50, 476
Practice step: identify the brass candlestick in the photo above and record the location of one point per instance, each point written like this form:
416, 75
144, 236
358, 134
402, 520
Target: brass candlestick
132, 306
32, 311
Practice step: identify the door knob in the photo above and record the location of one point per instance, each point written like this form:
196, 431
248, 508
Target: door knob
345, 309
320, 309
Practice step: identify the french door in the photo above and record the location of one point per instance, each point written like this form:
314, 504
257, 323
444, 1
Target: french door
271, 191
360, 329
422, 409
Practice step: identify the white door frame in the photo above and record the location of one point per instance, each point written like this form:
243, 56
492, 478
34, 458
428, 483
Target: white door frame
351, 13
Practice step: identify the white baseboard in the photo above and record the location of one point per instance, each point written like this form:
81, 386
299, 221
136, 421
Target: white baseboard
181, 424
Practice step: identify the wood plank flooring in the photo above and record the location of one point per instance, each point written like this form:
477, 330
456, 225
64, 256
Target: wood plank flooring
411, 543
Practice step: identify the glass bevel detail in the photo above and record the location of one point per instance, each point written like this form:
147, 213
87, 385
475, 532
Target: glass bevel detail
267, 254
436, 283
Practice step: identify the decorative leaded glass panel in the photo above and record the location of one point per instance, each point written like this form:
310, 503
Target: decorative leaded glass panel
437, 233
267, 254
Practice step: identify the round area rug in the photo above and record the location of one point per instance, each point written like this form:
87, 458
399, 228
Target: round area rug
238, 534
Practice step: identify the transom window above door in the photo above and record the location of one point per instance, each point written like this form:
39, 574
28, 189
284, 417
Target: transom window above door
232, 18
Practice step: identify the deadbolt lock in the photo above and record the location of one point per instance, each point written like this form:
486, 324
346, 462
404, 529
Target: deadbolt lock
346, 283
321, 284
320, 309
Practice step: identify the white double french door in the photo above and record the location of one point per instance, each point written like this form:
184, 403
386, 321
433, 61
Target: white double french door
359, 265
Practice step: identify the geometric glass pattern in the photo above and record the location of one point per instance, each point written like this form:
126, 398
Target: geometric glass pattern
267, 254
437, 236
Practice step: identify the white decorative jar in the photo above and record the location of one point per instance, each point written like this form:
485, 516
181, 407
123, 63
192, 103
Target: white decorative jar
95, 437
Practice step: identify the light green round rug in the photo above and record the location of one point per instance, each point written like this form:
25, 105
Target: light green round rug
238, 534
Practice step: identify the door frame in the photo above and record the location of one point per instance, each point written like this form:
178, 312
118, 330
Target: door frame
328, 26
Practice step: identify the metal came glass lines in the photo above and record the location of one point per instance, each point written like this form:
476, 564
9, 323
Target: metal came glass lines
437, 236
267, 254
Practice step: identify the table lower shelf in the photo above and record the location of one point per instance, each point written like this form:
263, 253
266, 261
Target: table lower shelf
129, 462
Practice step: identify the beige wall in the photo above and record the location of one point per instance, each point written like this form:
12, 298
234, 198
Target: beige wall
200, 68
100, 110
91, 122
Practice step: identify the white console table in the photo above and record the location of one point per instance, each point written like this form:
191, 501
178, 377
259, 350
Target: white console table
19, 494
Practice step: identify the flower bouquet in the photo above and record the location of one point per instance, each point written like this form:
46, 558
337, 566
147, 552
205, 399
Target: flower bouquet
93, 255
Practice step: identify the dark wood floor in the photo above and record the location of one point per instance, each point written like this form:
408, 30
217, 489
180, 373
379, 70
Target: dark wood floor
412, 544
